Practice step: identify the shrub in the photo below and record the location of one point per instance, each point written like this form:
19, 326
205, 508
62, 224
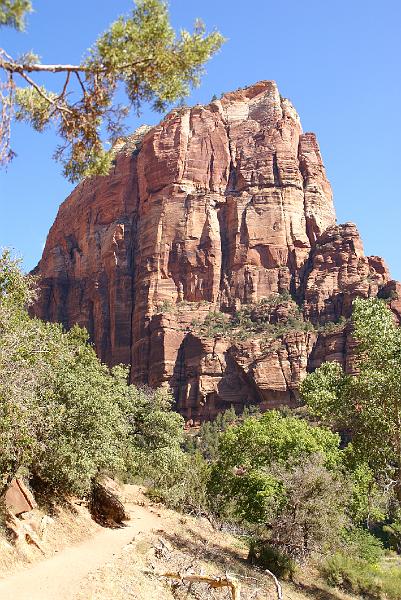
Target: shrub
352, 574
262, 319
359, 577
266, 556
206, 440
312, 512
362, 544
333, 326
187, 488
282, 475
64, 416
165, 307
85, 429
369, 502
391, 583
387, 294
216, 323
393, 532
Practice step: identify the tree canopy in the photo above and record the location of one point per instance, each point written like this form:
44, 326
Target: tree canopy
283, 476
367, 404
65, 417
140, 53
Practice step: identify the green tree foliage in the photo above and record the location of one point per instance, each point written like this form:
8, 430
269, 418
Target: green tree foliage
184, 485
369, 404
361, 544
282, 476
393, 532
187, 486
12, 13
155, 434
368, 504
207, 439
64, 416
275, 439
85, 405
140, 53
18, 425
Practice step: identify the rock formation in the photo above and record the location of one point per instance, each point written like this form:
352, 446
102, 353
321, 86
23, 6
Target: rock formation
216, 208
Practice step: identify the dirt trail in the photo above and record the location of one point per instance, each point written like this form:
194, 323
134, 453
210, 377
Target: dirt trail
60, 577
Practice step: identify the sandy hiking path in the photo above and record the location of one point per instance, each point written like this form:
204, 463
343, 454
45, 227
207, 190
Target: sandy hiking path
60, 577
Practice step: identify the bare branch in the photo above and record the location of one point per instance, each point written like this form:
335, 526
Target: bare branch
279, 589
6, 114
65, 85
81, 84
214, 582
13, 67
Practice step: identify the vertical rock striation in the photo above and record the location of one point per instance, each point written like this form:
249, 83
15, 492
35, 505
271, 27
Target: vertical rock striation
217, 207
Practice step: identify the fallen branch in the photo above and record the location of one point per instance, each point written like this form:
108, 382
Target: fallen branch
279, 589
214, 582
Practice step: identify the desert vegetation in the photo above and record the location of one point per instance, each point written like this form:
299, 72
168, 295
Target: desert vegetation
315, 488
267, 320
319, 485
298, 490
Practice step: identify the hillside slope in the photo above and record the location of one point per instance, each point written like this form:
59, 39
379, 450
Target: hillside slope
128, 562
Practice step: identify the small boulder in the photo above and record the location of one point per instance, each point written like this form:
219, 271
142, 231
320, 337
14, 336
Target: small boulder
105, 506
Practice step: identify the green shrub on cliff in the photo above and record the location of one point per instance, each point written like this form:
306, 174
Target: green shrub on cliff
258, 319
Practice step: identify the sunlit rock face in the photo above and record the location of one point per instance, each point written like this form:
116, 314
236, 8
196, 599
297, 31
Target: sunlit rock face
217, 207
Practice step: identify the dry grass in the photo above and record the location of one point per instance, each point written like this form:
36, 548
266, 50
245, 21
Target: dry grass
188, 545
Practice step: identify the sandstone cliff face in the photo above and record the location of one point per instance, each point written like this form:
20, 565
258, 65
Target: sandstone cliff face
217, 207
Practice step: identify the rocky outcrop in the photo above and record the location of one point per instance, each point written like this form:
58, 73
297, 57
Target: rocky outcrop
216, 208
336, 272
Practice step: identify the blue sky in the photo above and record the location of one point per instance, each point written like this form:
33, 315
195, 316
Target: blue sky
339, 63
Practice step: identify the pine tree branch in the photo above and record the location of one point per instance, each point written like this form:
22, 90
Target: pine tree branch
45, 96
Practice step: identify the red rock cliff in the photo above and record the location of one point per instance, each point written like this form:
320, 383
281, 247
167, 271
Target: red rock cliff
216, 208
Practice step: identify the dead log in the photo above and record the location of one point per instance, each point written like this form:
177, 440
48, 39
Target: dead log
214, 582
279, 589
